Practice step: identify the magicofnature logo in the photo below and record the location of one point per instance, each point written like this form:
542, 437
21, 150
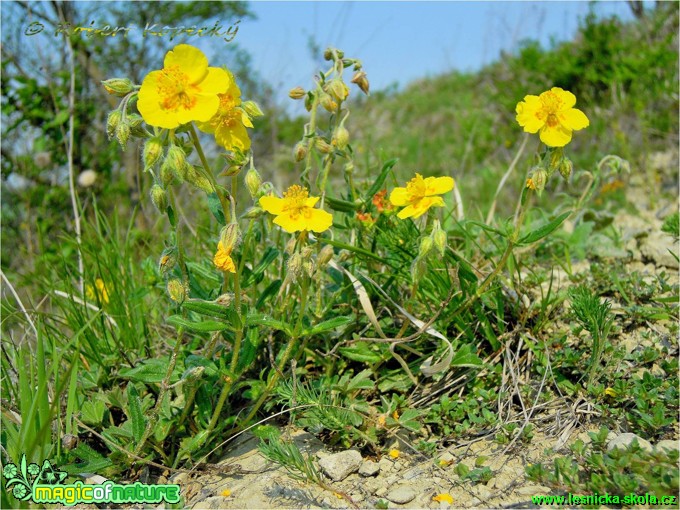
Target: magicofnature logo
30, 482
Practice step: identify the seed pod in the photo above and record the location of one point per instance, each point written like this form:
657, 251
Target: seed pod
566, 167
323, 146
439, 237
325, 256
426, 244
337, 89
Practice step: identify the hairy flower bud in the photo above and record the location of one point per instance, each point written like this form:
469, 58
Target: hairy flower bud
159, 197
197, 179
340, 137
176, 290
123, 134
290, 246
325, 256
337, 89
439, 237
252, 109
112, 122
538, 179
120, 87
327, 102
361, 81
297, 93
323, 146
167, 261
294, 266
176, 162
300, 151
253, 213
153, 149
253, 182
426, 244
566, 167
230, 236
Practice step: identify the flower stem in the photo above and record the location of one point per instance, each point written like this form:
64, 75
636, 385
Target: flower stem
208, 171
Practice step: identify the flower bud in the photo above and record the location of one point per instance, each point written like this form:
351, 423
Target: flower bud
325, 256
176, 290
426, 244
123, 134
112, 122
439, 237
159, 198
323, 146
294, 266
328, 53
309, 99
337, 89
290, 246
340, 137
153, 149
418, 269
349, 167
120, 87
300, 151
252, 109
225, 299
134, 120
297, 93
538, 179
167, 175
327, 102
253, 182
167, 261
253, 213
176, 162
556, 155
230, 236
360, 80
566, 167
197, 179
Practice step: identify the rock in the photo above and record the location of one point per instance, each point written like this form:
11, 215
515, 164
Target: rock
445, 459
213, 502
380, 492
626, 440
369, 468
357, 497
412, 473
484, 493
667, 445
339, 466
659, 247
532, 490
401, 495
385, 465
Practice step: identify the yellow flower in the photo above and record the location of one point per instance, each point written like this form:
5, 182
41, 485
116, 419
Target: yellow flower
553, 114
102, 292
223, 260
420, 194
230, 122
225, 493
445, 496
184, 90
295, 211
394, 453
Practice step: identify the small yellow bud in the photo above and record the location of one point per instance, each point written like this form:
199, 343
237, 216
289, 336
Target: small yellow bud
159, 198
297, 93
118, 86
327, 102
230, 236
323, 146
566, 167
112, 122
361, 81
253, 181
153, 149
337, 89
340, 137
123, 135
176, 290
300, 151
439, 237
252, 109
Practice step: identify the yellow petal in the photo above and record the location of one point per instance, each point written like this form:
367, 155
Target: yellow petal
272, 204
527, 111
319, 220
215, 81
438, 185
399, 196
311, 201
202, 110
149, 104
568, 99
557, 136
233, 137
574, 119
190, 60
246, 120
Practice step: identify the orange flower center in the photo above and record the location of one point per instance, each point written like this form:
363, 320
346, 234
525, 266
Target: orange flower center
551, 105
416, 188
296, 201
173, 88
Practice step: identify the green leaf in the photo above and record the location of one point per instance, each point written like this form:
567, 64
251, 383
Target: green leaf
270, 291
409, 420
136, 415
203, 326
361, 351
380, 180
544, 230
260, 319
269, 256
466, 357
149, 371
92, 412
341, 205
171, 216
361, 381
59, 119
335, 322
209, 308
215, 207
94, 462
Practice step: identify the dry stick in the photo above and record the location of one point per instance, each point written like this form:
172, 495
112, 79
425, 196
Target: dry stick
489, 216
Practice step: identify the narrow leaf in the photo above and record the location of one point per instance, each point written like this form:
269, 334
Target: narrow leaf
544, 230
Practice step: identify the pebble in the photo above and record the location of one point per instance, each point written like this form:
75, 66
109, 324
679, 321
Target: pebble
532, 490
369, 468
657, 246
214, 502
339, 466
626, 439
401, 495
385, 465
667, 445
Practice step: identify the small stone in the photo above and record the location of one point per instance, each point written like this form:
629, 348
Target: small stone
446, 458
483, 492
369, 468
532, 490
380, 492
401, 495
667, 445
660, 247
214, 502
626, 440
357, 497
339, 466
385, 465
